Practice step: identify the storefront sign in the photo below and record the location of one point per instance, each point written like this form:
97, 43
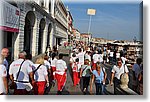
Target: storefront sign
9, 17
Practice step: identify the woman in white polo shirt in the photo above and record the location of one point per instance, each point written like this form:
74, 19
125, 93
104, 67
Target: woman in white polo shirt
40, 76
117, 70
60, 74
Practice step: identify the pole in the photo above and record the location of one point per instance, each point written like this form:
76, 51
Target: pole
89, 29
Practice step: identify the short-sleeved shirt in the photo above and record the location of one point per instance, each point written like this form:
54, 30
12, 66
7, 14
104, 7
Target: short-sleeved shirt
86, 71
53, 62
99, 78
100, 58
118, 71
136, 68
96, 58
81, 57
3, 73
117, 55
76, 65
30, 63
87, 57
111, 54
123, 60
41, 73
60, 67
47, 64
26, 68
73, 59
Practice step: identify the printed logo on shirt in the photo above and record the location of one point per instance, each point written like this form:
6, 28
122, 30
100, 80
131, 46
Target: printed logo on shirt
17, 65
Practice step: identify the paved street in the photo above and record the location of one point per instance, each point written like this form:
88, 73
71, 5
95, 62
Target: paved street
69, 89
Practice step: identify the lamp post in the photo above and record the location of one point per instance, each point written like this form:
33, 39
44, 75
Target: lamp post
90, 12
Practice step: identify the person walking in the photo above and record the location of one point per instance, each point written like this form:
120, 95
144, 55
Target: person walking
76, 72
95, 58
99, 76
53, 68
80, 55
117, 70
40, 76
47, 64
3, 77
60, 74
20, 71
85, 74
5, 54
136, 70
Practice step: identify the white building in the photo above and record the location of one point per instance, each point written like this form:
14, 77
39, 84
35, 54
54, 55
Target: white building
32, 25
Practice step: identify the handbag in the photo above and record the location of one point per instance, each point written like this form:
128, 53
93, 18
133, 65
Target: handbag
124, 78
13, 85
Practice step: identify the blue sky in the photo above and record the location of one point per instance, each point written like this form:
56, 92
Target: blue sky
116, 21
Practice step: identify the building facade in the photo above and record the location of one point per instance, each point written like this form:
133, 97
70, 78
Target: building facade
32, 25
76, 35
70, 25
85, 38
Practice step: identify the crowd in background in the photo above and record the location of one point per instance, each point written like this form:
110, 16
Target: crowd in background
87, 64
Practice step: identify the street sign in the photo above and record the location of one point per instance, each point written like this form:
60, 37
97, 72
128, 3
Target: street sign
91, 11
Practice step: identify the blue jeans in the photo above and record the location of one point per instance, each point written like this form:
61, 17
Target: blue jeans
99, 88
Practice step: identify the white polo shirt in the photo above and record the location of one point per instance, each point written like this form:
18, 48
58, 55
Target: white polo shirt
100, 57
96, 58
60, 67
26, 68
87, 57
117, 55
118, 71
41, 73
78, 67
53, 62
73, 59
123, 60
111, 54
30, 63
47, 64
3, 73
81, 57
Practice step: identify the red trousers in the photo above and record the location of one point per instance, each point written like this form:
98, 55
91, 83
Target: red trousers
39, 88
61, 80
76, 78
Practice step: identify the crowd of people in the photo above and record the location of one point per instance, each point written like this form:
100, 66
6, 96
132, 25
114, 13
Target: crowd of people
90, 62
86, 62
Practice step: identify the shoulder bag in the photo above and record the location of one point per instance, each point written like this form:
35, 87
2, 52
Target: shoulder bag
13, 85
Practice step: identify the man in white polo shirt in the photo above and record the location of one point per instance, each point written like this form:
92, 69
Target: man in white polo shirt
80, 55
95, 58
116, 73
60, 74
23, 77
5, 53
